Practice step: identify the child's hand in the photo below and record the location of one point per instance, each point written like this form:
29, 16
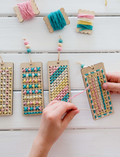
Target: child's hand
113, 84
52, 126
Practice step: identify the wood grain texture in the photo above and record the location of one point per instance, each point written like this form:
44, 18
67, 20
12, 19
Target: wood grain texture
71, 7
82, 120
78, 143
105, 33
75, 74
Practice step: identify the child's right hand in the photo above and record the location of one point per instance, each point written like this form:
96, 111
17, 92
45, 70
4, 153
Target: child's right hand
113, 84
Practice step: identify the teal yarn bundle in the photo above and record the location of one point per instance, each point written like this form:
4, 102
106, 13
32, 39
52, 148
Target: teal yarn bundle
57, 20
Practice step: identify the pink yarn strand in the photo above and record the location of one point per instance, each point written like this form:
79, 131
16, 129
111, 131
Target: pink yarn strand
86, 16
26, 10
79, 93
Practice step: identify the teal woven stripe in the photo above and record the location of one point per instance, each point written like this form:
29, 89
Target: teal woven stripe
32, 112
101, 92
65, 98
57, 73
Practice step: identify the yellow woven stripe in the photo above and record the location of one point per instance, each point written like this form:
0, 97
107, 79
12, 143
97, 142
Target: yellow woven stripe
59, 88
84, 23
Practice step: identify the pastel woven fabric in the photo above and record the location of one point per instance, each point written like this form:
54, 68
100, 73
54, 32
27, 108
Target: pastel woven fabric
59, 83
99, 98
32, 91
6, 92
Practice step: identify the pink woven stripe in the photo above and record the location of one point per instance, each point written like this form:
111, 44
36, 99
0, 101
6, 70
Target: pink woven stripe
52, 70
62, 93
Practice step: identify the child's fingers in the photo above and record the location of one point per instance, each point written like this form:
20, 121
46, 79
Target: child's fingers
63, 107
114, 87
52, 102
113, 76
68, 117
52, 106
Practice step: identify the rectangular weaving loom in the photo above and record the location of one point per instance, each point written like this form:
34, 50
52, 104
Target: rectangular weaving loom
99, 98
6, 89
32, 88
59, 81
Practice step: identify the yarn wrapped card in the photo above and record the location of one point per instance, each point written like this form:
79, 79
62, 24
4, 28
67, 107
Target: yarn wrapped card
6, 89
85, 21
32, 88
26, 10
99, 98
59, 80
56, 20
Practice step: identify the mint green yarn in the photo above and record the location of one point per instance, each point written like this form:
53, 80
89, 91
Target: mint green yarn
57, 20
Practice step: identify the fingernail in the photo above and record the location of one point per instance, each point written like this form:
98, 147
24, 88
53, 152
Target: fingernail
105, 86
77, 111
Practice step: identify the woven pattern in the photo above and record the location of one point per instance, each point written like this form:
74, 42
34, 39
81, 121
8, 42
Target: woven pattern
6, 91
99, 98
32, 91
59, 83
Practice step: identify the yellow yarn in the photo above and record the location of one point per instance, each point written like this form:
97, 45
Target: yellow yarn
84, 23
105, 2
59, 88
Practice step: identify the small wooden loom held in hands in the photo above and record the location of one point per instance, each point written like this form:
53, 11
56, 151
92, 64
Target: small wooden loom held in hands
99, 98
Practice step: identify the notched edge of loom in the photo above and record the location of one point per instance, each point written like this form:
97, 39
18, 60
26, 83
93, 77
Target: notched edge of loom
85, 12
65, 15
18, 14
47, 22
34, 7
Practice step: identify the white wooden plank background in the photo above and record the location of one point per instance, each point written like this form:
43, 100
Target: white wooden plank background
71, 7
78, 143
83, 137
105, 33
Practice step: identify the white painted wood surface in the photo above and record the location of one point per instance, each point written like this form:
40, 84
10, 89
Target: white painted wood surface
84, 137
78, 143
71, 7
105, 36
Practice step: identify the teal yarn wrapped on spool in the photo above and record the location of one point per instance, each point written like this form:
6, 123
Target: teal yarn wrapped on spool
57, 20
84, 27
